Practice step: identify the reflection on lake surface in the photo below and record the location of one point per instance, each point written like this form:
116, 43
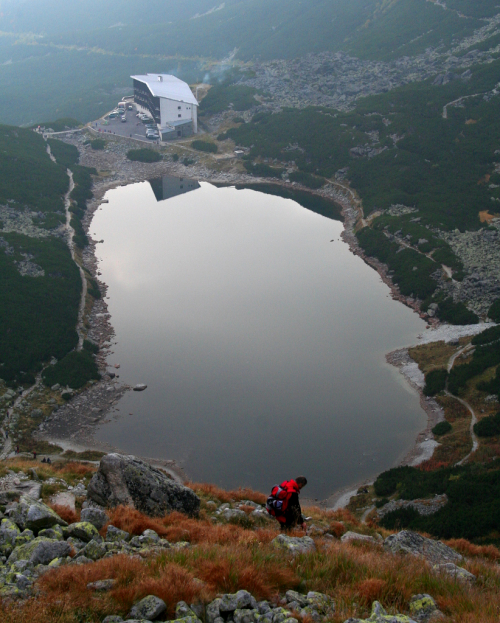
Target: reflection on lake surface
167, 186
260, 336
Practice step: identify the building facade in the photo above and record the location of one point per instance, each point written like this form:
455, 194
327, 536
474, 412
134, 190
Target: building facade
169, 101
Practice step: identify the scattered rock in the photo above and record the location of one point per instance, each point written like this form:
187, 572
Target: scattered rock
379, 615
140, 387
354, 536
82, 530
148, 608
457, 573
101, 586
423, 608
294, 545
40, 551
35, 515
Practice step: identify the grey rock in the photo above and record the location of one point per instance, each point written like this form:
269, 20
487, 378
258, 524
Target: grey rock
294, 545
263, 607
423, 608
354, 536
40, 551
412, 543
101, 585
94, 550
35, 515
457, 573
52, 533
293, 596
379, 615
246, 616
182, 610
213, 612
114, 534
8, 534
112, 618
423, 507
236, 601
148, 608
95, 516
82, 530
127, 480
321, 602
22, 582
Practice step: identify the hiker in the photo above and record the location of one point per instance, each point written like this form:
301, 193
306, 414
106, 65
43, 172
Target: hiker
34, 456
283, 503
48, 460
44, 460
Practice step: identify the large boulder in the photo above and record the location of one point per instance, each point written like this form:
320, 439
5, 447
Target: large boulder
408, 542
129, 481
148, 608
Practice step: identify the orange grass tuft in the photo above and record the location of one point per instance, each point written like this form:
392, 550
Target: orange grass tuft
466, 548
228, 496
371, 590
66, 513
134, 521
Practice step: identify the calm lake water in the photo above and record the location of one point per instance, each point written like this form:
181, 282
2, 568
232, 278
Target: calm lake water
260, 336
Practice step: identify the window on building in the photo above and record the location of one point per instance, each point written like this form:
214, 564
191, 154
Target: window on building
178, 107
179, 115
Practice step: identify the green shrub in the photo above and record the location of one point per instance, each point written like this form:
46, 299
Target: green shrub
494, 311
66, 155
435, 382
382, 502
90, 347
306, 179
143, 155
456, 313
262, 170
205, 146
93, 289
59, 125
441, 428
74, 370
486, 337
175, 157
98, 144
187, 161
488, 426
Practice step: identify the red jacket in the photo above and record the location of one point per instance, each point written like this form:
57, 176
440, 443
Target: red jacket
277, 503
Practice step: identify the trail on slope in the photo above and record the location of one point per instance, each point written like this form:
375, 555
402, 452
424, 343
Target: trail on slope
475, 443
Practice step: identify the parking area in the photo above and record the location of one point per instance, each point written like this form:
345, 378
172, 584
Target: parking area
131, 128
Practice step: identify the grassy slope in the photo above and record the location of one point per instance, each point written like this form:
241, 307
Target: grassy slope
37, 314
227, 557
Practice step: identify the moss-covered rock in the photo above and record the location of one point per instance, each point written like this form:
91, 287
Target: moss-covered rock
40, 551
82, 530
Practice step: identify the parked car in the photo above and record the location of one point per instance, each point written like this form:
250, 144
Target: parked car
152, 137
130, 107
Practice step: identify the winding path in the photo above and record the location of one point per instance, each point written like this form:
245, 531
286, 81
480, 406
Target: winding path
475, 443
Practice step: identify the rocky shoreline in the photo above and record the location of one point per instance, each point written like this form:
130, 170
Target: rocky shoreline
73, 425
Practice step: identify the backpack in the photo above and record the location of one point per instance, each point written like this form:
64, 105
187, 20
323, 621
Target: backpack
278, 500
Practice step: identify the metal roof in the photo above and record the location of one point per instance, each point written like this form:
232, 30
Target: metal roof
167, 86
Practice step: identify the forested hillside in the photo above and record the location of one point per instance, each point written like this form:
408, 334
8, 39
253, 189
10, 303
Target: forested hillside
39, 281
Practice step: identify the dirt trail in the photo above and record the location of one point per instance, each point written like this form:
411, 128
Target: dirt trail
475, 443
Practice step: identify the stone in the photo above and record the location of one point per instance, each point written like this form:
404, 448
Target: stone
40, 551
213, 612
354, 536
263, 607
82, 530
129, 481
140, 387
95, 516
8, 534
294, 545
246, 616
423, 608
236, 601
112, 618
94, 550
182, 610
379, 615
25, 537
148, 608
114, 535
233, 513
280, 615
293, 596
101, 585
52, 533
409, 542
457, 573
35, 515
324, 604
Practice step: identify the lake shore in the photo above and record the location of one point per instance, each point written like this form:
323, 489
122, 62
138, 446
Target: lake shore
74, 425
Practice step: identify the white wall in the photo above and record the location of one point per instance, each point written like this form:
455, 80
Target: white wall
171, 110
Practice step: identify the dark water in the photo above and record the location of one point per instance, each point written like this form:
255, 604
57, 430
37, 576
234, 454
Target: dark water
261, 341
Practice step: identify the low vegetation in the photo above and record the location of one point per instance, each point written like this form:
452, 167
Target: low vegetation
494, 311
435, 382
205, 146
74, 370
144, 155
473, 510
98, 144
